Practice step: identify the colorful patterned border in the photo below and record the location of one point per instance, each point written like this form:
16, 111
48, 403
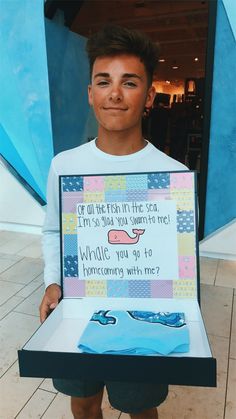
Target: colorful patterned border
177, 186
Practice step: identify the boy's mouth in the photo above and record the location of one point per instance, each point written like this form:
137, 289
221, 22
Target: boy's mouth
114, 109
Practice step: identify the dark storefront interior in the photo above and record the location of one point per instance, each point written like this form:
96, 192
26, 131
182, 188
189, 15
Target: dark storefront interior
175, 125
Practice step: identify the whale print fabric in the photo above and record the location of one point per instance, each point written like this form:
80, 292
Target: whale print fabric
135, 333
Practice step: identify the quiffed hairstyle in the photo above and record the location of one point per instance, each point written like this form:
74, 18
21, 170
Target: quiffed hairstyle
115, 40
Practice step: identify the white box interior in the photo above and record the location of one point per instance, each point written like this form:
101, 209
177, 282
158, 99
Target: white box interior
62, 330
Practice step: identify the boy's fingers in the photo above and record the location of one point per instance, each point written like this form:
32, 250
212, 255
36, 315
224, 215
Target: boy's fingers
43, 314
45, 309
53, 305
50, 301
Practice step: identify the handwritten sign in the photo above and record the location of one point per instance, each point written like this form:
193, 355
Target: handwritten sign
127, 240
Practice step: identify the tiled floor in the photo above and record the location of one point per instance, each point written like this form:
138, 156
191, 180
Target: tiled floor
21, 289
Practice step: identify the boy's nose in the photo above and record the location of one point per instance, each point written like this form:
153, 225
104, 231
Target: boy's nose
115, 94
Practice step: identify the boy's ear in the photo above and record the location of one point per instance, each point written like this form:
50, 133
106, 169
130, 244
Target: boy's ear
150, 97
90, 96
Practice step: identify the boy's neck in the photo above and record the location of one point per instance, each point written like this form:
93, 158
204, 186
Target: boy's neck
120, 143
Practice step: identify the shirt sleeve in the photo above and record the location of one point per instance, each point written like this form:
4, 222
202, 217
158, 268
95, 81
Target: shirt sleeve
51, 233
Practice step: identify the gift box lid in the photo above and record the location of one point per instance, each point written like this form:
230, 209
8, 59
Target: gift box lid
128, 241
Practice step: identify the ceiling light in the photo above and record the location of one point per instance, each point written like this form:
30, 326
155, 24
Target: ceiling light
161, 60
196, 59
174, 65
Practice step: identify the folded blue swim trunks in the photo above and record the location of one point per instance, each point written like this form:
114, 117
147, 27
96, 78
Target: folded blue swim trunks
135, 332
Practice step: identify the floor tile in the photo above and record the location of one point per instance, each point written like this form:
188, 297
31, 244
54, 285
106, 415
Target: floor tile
14, 257
9, 305
47, 385
15, 392
16, 244
233, 333
13, 235
6, 262
37, 405
34, 250
31, 287
59, 409
8, 289
216, 306
39, 261
220, 350
231, 399
6, 236
23, 271
15, 330
226, 274
31, 304
208, 269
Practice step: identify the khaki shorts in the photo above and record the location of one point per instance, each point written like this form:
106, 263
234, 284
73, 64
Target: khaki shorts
125, 396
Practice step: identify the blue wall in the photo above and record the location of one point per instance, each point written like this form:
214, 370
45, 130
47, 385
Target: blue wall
68, 72
44, 107
25, 121
221, 182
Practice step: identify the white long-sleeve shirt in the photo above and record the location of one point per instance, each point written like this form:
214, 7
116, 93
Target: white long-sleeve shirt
83, 160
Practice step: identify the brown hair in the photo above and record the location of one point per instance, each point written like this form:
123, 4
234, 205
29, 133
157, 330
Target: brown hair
116, 40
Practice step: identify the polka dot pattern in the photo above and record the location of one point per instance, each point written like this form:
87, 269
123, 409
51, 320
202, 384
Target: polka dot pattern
185, 221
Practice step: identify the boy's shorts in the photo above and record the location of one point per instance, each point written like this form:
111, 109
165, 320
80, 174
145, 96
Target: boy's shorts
125, 396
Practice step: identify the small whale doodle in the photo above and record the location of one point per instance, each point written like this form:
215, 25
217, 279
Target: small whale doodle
122, 237
102, 318
167, 319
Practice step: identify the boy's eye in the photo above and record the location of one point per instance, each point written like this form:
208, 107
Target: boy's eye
102, 82
130, 84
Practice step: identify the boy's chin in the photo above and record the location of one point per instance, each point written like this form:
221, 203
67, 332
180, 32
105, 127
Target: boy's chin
114, 128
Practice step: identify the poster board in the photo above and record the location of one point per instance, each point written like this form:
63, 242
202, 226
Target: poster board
130, 235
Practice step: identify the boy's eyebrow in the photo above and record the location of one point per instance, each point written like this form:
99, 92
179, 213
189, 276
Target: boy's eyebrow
101, 75
124, 76
131, 75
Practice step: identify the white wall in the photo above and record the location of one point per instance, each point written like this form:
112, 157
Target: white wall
221, 244
18, 210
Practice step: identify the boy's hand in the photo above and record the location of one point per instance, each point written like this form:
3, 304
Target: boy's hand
50, 300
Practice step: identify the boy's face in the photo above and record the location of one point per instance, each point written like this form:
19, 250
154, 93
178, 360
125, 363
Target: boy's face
119, 93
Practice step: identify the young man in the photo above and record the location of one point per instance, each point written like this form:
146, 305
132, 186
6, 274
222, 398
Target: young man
122, 65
